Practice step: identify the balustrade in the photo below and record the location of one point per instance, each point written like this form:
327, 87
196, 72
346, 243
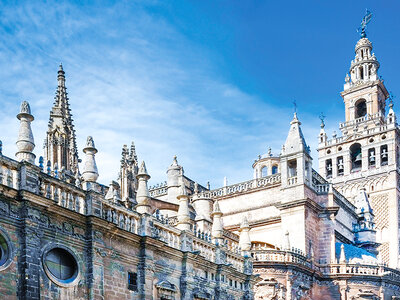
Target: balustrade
120, 216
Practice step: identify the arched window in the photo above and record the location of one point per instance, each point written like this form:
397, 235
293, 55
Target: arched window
361, 108
274, 169
355, 156
264, 171
292, 168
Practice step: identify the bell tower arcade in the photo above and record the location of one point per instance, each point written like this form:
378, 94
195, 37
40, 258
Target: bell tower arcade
366, 155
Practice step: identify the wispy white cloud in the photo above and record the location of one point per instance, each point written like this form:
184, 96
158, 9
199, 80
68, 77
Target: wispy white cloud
132, 76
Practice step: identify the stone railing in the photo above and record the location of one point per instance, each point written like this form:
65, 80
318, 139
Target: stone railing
317, 179
166, 233
8, 172
160, 189
236, 260
360, 270
242, 186
367, 117
125, 219
62, 193
281, 256
206, 248
323, 189
292, 180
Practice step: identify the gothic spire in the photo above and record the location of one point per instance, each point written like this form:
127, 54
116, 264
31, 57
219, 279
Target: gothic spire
60, 143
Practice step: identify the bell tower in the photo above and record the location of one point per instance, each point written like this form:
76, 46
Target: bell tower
366, 155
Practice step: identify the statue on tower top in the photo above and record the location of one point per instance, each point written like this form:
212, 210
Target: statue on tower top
366, 19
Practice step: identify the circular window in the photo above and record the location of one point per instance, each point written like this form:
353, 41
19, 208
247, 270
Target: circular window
328, 151
61, 266
371, 140
383, 137
340, 149
4, 252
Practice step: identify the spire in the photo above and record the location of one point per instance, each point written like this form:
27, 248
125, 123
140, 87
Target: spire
244, 239
25, 142
127, 175
143, 196
342, 258
60, 143
295, 141
217, 230
183, 211
90, 173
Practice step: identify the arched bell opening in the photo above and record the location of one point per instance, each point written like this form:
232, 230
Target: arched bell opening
371, 157
384, 155
328, 168
340, 166
356, 157
360, 108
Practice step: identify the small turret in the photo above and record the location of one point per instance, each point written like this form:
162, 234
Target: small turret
25, 142
174, 177
244, 240
143, 196
322, 134
342, 258
365, 229
183, 211
90, 173
217, 230
296, 161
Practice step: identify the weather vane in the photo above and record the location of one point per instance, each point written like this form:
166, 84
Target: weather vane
366, 19
295, 106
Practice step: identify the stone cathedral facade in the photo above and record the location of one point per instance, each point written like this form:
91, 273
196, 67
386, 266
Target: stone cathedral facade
290, 232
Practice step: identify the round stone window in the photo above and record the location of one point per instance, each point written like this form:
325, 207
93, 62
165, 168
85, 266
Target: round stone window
61, 266
4, 251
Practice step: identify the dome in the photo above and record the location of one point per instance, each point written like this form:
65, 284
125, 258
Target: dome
364, 42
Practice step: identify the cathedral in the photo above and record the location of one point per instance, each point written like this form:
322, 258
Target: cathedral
291, 232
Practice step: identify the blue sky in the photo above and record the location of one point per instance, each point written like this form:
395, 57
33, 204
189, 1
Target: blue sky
210, 81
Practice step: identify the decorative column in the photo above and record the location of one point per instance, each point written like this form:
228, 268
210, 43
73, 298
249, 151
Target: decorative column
25, 142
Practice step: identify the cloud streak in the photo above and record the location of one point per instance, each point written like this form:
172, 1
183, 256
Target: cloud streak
131, 75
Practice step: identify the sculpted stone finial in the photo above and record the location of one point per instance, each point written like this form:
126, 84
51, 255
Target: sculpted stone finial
25, 142
244, 239
217, 230
183, 211
143, 195
90, 172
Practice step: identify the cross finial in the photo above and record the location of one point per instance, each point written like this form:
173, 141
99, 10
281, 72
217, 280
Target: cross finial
391, 97
295, 106
322, 118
